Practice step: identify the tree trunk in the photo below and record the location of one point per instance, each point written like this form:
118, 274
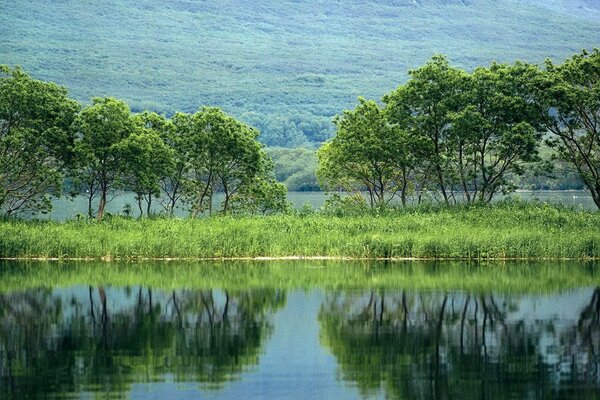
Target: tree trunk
101, 205
90, 212
139, 201
149, 205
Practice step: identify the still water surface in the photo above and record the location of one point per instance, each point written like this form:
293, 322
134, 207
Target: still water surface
140, 342
68, 208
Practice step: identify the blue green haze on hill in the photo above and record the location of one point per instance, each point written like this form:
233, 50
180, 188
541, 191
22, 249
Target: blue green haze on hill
284, 66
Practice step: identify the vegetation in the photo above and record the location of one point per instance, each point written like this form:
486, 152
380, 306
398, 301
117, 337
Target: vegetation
368, 153
269, 65
446, 134
503, 230
295, 168
467, 137
572, 91
104, 147
35, 140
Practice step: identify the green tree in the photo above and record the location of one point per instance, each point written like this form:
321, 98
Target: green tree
296, 168
261, 196
568, 95
35, 140
495, 132
101, 126
173, 133
147, 161
423, 107
368, 153
224, 156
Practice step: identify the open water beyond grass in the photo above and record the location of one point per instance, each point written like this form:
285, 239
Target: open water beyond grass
64, 208
300, 330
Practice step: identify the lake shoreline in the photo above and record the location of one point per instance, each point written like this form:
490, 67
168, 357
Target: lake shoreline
504, 231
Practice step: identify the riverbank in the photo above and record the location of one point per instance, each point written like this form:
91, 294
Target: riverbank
502, 231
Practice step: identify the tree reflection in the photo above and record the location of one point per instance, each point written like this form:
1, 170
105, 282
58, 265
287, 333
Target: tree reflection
100, 339
462, 346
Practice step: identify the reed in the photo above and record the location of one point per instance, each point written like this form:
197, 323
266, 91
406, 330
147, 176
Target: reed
501, 231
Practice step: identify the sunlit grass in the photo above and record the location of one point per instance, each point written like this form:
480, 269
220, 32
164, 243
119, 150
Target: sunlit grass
503, 231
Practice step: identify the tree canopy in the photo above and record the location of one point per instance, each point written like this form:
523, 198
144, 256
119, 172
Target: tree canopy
461, 136
36, 141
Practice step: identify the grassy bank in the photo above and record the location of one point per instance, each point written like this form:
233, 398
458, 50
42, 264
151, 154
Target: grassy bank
503, 231
484, 277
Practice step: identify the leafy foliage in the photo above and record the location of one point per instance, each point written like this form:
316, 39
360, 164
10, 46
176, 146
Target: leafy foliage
101, 166
35, 140
569, 98
295, 168
369, 153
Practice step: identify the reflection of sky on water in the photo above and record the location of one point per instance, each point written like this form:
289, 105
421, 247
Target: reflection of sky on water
293, 364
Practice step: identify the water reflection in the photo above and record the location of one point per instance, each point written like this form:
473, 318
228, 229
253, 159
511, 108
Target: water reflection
464, 346
99, 339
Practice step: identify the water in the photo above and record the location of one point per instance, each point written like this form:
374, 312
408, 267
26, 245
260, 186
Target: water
68, 208
65, 208
71, 340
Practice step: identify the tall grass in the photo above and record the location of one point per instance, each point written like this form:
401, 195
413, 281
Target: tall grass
484, 277
501, 231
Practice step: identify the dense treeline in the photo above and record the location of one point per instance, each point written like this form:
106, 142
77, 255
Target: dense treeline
295, 168
446, 134
465, 136
46, 136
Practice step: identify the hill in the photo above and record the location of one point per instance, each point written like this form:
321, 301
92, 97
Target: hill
284, 66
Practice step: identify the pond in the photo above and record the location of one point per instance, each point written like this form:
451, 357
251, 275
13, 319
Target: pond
64, 208
299, 330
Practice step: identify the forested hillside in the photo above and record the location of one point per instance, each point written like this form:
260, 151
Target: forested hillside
283, 66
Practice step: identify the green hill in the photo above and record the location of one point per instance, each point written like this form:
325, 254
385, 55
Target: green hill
285, 66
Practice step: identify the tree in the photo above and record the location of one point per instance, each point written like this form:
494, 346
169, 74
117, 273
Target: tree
495, 132
147, 161
568, 96
173, 133
101, 126
423, 107
35, 140
224, 155
368, 153
261, 196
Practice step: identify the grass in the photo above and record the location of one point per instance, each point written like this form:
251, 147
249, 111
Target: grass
498, 277
508, 230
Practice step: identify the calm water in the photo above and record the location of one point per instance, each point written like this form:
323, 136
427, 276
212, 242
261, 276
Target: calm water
81, 341
65, 208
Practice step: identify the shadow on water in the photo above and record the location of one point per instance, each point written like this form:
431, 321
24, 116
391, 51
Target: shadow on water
396, 330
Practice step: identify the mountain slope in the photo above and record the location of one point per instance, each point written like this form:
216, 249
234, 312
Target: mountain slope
285, 66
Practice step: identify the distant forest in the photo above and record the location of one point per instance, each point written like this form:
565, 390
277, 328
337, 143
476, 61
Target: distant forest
285, 67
